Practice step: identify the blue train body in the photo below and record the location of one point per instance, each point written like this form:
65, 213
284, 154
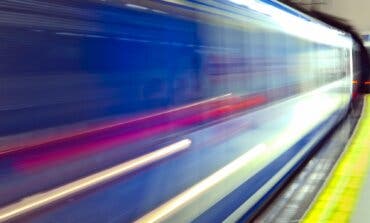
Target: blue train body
252, 85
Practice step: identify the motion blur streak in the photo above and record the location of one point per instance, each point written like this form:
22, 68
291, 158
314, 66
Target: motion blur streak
174, 205
212, 102
90, 87
224, 109
46, 198
212, 189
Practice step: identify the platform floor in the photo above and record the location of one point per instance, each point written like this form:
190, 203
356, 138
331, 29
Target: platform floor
362, 210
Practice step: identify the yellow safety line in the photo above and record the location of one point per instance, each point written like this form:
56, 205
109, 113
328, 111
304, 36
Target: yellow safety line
338, 198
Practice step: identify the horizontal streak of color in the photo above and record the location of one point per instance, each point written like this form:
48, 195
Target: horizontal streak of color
40, 200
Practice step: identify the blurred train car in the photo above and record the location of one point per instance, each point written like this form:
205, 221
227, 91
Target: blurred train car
248, 88
361, 59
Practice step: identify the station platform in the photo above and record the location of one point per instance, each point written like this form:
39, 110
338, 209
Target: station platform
334, 186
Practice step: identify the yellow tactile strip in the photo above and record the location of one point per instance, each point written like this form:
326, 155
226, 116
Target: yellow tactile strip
337, 200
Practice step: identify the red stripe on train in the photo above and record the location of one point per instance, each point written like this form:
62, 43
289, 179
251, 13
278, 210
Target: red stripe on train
84, 149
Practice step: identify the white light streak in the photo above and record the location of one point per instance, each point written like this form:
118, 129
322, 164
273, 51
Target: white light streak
136, 6
177, 203
46, 198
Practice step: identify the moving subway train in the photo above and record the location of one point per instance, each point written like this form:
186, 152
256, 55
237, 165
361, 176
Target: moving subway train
168, 110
